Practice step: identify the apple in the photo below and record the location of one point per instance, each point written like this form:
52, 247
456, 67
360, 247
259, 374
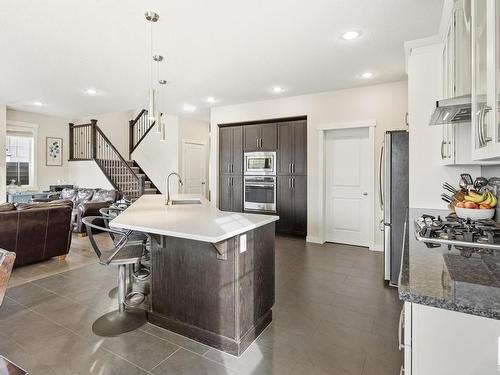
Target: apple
460, 205
470, 205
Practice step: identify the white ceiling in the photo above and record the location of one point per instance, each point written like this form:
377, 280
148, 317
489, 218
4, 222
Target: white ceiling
235, 50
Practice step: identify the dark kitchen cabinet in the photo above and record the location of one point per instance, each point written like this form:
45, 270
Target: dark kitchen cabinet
231, 150
261, 137
292, 148
292, 205
231, 193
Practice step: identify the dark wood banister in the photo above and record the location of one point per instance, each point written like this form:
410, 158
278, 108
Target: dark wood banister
140, 179
132, 123
94, 130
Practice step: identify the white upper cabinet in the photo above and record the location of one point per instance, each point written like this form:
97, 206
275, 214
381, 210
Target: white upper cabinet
456, 142
485, 79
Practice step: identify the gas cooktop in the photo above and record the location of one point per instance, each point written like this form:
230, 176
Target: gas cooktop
466, 235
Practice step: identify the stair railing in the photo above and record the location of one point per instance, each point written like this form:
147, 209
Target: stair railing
138, 129
88, 142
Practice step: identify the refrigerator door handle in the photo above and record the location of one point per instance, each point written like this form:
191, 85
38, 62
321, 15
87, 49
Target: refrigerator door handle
380, 178
387, 252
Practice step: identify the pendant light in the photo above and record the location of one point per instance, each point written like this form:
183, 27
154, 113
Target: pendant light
157, 111
161, 120
152, 17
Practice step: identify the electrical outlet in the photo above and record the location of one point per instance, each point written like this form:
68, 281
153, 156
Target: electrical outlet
243, 243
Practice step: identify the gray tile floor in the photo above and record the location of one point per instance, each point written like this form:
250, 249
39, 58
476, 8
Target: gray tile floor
333, 315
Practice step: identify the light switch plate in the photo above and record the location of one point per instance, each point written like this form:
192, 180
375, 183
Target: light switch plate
243, 243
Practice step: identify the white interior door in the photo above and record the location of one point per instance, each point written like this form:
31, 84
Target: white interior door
347, 172
194, 160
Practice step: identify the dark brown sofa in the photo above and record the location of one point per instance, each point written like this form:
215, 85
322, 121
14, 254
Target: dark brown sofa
36, 231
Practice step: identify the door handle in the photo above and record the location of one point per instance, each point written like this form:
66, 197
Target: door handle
293, 167
257, 140
228, 182
365, 193
486, 138
232, 181
290, 167
232, 168
400, 329
442, 149
380, 194
229, 168
289, 183
293, 183
260, 143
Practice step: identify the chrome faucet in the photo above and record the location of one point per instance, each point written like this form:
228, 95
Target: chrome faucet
169, 201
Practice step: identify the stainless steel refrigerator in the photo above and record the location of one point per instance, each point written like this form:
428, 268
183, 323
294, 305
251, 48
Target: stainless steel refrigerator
393, 190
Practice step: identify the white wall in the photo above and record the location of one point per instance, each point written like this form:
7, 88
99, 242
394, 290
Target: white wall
116, 127
86, 174
386, 103
48, 126
3, 172
425, 86
158, 158
194, 130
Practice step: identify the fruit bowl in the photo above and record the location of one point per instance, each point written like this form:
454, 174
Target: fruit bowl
474, 213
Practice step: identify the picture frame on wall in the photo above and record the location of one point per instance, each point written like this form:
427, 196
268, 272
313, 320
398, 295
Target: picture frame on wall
54, 152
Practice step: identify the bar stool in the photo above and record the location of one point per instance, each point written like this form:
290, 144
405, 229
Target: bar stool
126, 256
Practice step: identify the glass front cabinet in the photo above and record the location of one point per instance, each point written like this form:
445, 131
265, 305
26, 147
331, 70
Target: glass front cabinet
485, 30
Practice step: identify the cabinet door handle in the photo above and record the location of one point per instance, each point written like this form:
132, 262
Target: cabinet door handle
400, 328
232, 168
290, 168
232, 181
260, 142
228, 182
293, 167
289, 183
293, 183
442, 149
402, 370
486, 138
479, 128
257, 142
229, 168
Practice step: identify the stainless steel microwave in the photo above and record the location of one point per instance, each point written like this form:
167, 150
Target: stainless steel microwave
260, 163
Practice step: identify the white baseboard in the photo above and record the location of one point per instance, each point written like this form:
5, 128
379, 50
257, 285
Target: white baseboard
377, 247
314, 239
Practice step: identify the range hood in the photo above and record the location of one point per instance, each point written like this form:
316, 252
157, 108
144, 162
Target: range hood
452, 111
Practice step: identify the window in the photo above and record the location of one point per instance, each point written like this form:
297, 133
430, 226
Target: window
20, 158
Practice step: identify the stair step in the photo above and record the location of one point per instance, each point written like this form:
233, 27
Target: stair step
150, 191
147, 184
130, 163
135, 169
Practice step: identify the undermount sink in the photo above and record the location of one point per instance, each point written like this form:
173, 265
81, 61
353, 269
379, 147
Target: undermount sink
186, 201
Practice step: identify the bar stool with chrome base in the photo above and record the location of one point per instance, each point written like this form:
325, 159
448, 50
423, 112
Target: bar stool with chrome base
126, 255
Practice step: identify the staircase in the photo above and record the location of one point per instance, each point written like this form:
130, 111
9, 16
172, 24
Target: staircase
88, 142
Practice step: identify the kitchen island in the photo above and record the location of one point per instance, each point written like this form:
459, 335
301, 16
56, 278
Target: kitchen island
212, 272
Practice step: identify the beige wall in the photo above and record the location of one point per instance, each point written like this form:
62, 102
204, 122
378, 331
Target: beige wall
385, 103
48, 126
3, 118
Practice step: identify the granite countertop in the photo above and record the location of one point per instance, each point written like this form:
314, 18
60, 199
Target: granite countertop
443, 278
200, 222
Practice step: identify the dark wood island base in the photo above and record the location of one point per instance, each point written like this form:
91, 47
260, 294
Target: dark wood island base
218, 294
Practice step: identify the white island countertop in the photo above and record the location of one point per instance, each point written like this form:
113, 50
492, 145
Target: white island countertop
201, 222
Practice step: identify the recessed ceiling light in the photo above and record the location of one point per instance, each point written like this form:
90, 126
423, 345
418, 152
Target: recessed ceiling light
91, 91
37, 103
189, 108
367, 75
210, 99
350, 35
278, 89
